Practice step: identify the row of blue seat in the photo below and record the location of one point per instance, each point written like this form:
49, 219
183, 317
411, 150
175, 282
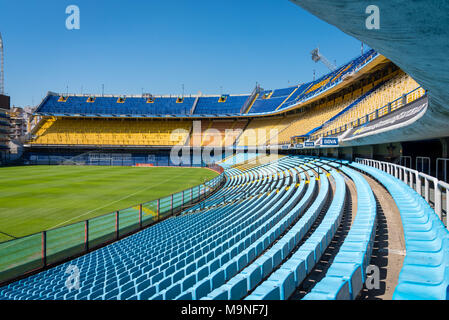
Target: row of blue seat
284, 281
141, 265
237, 224
139, 106
246, 242
250, 277
425, 271
241, 238
210, 105
157, 227
347, 274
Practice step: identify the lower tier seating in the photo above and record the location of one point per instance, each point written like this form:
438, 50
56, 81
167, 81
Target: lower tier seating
347, 274
261, 236
112, 132
425, 271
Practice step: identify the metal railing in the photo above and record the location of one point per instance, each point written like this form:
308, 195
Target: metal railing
416, 180
35, 252
420, 164
445, 162
405, 161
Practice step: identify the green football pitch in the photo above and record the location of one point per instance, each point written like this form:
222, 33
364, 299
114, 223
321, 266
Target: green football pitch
36, 198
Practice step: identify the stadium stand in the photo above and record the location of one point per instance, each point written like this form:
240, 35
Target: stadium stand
236, 159
271, 100
259, 237
283, 282
312, 119
147, 106
285, 226
245, 281
218, 133
259, 131
346, 276
262, 234
425, 272
231, 104
55, 118
110, 106
330, 80
392, 90
176, 269
112, 132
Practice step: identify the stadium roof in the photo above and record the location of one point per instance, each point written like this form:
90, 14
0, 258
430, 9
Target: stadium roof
413, 35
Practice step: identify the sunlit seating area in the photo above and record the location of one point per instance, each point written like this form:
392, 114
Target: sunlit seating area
112, 132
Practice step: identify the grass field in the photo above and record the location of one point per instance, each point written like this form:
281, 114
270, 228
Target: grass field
36, 198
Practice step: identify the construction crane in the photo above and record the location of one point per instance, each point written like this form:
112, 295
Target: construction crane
2, 78
317, 56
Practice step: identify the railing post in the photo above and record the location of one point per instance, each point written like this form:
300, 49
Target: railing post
411, 179
158, 208
86, 235
437, 192
426, 190
447, 208
140, 216
44, 248
117, 227
171, 203
418, 183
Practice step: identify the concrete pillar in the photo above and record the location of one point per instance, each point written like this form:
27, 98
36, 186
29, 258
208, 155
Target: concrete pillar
444, 147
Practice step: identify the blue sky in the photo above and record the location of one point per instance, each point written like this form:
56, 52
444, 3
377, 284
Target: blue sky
158, 45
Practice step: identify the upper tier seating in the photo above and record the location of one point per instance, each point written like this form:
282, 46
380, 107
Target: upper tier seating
273, 101
110, 106
313, 88
74, 105
213, 106
388, 92
310, 119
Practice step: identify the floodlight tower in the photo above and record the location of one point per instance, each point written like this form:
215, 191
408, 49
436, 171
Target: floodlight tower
2, 78
317, 56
